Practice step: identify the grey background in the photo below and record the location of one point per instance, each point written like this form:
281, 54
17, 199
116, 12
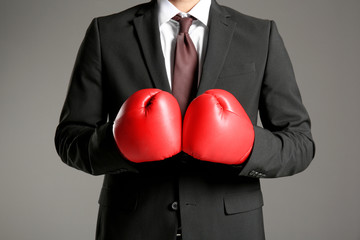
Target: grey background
42, 198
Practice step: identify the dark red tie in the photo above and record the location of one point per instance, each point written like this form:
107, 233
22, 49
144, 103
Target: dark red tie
185, 66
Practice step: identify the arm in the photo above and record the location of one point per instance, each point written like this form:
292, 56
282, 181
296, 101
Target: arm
284, 146
83, 138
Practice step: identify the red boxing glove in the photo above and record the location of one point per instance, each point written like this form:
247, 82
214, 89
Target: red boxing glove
217, 129
148, 126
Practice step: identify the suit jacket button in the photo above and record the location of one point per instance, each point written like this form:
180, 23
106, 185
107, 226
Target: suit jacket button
174, 206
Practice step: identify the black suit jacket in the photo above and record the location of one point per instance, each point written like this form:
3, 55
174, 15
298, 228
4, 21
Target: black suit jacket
121, 54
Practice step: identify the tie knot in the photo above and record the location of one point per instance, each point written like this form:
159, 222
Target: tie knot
185, 23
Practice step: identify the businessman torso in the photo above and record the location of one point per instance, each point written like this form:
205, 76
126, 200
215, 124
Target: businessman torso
214, 201
212, 206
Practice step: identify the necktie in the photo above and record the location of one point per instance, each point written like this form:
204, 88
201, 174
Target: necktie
185, 70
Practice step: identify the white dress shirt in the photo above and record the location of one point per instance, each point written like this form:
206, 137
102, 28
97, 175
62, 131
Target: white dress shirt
169, 29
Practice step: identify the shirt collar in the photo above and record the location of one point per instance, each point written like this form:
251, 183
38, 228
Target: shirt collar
167, 10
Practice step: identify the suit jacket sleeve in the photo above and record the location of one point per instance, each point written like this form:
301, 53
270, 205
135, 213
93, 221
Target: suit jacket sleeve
84, 138
285, 145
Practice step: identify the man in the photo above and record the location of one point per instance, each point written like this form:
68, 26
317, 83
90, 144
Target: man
183, 197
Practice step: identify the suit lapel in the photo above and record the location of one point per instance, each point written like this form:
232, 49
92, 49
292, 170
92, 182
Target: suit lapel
146, 25
221, 29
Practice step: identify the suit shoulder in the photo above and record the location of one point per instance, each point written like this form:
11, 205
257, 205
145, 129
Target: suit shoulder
123, 16
239, 15
247, 20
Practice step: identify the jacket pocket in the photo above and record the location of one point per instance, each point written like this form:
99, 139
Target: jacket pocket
238, 203
124, 200
237, 70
